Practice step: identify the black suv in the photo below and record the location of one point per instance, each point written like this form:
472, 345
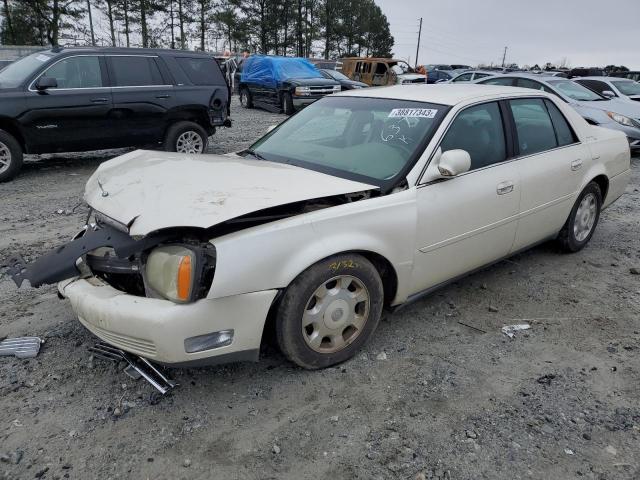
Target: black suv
80, 99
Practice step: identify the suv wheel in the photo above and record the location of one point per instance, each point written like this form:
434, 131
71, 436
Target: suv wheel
186, 137
582, 221
329, 311
287, 104
10, 156
245, 98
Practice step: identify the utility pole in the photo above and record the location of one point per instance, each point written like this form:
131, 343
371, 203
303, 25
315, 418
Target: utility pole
93, 37
418, 47
504, 56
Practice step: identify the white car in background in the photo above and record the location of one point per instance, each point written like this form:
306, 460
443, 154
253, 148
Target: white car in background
470, 76
612, 87
363, 200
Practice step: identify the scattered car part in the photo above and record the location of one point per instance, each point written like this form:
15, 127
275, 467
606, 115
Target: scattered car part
20, 347
137, 366
510, 330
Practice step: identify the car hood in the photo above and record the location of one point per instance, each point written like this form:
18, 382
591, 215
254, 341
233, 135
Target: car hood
150, 191
623, 107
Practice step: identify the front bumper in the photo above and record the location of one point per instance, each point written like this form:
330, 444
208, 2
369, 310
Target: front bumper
299, 102
156, 329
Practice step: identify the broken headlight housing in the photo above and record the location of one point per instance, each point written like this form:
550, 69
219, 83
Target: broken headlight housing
179, 273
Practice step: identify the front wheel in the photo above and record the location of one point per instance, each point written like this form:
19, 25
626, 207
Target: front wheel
329, 311
10, 156
186, 137
582, 221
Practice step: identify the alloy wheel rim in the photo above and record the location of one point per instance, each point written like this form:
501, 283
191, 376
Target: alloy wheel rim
585, 217
5, 158
189, 142
335, 314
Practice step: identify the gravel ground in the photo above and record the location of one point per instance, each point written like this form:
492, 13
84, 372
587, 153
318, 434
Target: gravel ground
438, 393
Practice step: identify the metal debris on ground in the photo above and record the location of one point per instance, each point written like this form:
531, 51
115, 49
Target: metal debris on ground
137, 367
510, 330
21, 347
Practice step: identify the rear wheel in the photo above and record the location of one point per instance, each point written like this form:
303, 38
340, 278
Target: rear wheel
186, 137
245, 98
10, 156
582, 221
329, 311
287, 103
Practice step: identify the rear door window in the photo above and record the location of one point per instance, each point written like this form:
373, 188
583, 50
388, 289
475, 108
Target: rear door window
465, 77
532, 84
533, 126
479, 131
132, 71
564, 133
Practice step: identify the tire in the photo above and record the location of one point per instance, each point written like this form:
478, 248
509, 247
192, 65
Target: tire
582, 221
341, 300
10, 156
287, 104
246, 100
186, 137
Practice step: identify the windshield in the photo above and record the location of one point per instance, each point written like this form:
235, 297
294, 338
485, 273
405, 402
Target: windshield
370, 140
575, 91
336, 75
628, 88
16, 73
296, 69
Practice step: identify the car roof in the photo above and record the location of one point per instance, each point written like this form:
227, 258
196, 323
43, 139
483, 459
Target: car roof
443, 94
531, 76
608, 79
123, 50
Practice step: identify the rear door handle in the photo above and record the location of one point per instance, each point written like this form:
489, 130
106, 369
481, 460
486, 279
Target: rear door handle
576, 164
504, 188
99, 100
163, 96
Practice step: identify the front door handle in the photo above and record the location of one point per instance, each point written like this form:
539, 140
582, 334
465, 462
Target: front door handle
99, 100
576, 164
504, 188
163, 96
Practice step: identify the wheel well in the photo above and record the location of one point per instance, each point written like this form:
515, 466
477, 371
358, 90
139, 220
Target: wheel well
11, 128
603, 183
383, 266
198, 116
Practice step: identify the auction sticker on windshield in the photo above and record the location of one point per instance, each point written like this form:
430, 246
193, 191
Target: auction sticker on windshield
412, 113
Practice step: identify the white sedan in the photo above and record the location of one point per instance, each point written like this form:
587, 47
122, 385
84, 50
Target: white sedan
362, 201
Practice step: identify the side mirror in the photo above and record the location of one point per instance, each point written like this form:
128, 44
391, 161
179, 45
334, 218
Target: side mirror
454, 162
46, 82
608, 94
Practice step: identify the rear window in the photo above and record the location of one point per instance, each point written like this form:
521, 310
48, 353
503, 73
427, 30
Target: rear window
200, 71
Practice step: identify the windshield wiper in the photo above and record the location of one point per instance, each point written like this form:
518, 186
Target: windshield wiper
253, 153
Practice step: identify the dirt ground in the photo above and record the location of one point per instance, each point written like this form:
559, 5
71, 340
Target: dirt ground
440, 392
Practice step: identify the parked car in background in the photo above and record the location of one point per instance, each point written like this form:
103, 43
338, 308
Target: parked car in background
596, 109
380, 71
364, 200
585, 72
460, 67
433, 66
438, 76
612, 87
635, 76
79, 99
470, 76
282, 83
345, 82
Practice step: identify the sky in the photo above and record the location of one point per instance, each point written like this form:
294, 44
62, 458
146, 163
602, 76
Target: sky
584, 32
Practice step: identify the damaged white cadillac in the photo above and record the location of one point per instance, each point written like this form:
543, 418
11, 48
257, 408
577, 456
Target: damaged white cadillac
360, 202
